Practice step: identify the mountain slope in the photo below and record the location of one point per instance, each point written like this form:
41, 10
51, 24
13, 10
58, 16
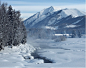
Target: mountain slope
39, 16
65, 18
73, 12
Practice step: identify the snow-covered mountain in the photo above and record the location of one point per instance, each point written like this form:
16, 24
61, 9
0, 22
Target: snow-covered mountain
39, 16
64, 18
74, 12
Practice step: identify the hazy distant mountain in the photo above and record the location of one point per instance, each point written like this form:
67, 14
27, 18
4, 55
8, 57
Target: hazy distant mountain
50, 19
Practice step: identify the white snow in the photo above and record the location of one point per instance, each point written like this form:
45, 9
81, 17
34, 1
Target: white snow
71, 26
61, 34
35, 61
49, 27
69, 53
43, 14
66, 12
46, 12
15, 57
73, 12
40, 16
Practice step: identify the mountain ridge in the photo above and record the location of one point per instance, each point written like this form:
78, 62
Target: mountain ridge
63, 18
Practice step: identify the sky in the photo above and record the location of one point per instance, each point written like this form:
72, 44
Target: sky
30, 7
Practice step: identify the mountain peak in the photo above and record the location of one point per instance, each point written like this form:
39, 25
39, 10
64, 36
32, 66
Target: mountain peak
47, 10
51, 7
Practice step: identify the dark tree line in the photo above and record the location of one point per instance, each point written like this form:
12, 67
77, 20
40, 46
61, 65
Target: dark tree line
76, 33
12, 29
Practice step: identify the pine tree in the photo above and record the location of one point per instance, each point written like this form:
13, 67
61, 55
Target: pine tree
74, 34
79, 34
3, 22
12, 29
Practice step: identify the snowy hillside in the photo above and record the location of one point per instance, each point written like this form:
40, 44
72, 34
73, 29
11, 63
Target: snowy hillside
15, 57
50, 17
46, 11
39, 16
73, 12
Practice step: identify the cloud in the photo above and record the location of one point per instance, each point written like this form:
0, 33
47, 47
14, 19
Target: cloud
39, 8
16, 2
27, 11
78, 6
38, 3
30, 8
26, 15
31, 3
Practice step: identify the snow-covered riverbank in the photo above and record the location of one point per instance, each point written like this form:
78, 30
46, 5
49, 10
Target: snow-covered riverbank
69, 53
15, 57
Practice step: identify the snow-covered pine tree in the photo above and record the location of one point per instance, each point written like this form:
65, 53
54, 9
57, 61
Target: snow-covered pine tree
79, 33
74, 34
0, 28
23, 33
12, 29
3, 21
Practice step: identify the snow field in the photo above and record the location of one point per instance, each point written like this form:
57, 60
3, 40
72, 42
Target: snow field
69, 53
65, 54
15, 57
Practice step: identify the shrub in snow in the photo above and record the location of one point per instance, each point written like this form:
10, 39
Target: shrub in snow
1, 47
60, 38
28, 57
41, 33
